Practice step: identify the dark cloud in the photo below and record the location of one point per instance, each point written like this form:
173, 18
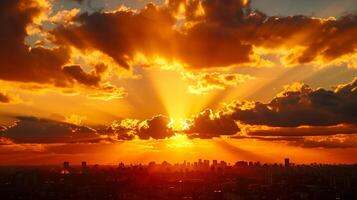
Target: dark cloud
269, 138
213, 33
20, 62
37, 130
208, 125
341, 141
157, 128
204, 125
224, 34
4, 98
122, 34
305, 131
300, 105
77, 73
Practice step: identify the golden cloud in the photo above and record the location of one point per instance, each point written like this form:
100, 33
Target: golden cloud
205, 82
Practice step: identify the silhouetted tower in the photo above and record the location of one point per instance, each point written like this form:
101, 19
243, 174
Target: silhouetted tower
66, 165
287, 162
206, 163
84, 164
214, 163
122, 165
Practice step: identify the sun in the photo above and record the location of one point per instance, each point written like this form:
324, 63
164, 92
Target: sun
178, 124
179, 141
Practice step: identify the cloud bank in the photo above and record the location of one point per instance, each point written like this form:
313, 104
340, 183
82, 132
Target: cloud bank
300, 105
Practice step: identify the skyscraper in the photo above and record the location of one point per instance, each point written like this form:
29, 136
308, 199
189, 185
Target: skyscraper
287, 162
65, 164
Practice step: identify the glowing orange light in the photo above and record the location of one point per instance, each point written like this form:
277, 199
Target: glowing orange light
178, 124
179, 141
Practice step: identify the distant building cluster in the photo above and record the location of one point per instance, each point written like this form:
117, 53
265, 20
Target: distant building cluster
201, 180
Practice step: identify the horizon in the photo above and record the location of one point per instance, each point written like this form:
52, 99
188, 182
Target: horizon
185, 162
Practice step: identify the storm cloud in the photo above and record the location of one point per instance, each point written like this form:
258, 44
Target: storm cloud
38, 130
300, 105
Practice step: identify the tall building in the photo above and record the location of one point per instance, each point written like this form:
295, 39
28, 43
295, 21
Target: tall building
286, 162
66, 164
206, 163
84, 164
122, 165
215, 163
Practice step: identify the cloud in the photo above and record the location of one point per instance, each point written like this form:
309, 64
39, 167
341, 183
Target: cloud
300, 105
107, 92
151, 31
208, 125
64, 16
77, 73
156, 128
73, 119
335, 141
18, 61
210, 33
204, 125
38, 130
205, 82
304, 131
125, 129
43, 64
338, 141
4, 98
198, 34
121, 34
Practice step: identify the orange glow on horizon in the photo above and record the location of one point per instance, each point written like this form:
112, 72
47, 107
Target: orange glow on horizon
180, 142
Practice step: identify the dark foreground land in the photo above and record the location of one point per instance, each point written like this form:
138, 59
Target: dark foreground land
199, 180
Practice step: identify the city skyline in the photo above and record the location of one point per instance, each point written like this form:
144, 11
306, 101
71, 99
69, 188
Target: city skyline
200, 180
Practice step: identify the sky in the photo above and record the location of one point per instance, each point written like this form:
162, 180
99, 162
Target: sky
138, 81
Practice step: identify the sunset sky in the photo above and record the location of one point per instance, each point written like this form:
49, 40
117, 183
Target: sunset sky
135, 81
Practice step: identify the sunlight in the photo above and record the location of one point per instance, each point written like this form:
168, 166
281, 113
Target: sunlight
179, 141
173, 93
178, 124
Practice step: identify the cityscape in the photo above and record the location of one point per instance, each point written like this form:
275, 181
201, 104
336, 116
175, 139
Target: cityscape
202, 179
